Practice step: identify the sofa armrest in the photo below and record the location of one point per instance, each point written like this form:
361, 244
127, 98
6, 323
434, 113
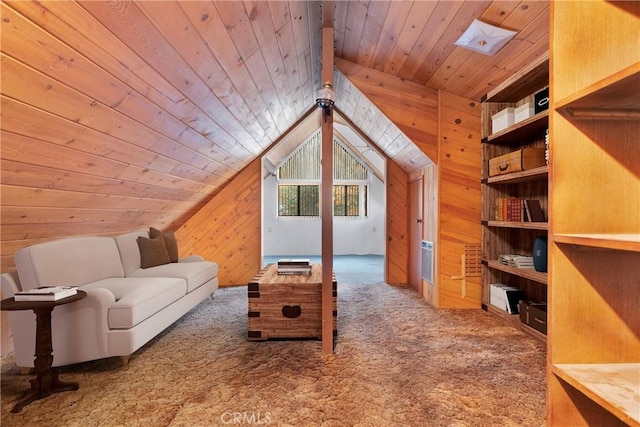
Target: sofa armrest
10, 284
192, 258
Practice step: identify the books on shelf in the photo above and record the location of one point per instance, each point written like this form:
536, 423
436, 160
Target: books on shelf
517, 261
47, 293
297, 266
534, 211
519, 210
506, 297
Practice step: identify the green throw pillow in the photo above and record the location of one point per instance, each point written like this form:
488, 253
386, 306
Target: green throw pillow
169, 242
152, 252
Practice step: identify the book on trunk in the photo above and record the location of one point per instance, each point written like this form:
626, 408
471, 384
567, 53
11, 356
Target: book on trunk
300, 266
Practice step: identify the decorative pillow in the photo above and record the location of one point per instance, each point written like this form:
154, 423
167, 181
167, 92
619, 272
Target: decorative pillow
169, 242
152, 252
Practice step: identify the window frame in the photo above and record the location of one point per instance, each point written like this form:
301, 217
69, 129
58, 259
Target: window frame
362, 198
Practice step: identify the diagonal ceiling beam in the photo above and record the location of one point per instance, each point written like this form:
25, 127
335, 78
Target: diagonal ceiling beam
359, 154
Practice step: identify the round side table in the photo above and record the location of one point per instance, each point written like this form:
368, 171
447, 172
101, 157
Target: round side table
46, 381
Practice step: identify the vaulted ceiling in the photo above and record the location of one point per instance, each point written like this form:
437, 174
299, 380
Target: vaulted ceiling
165, 101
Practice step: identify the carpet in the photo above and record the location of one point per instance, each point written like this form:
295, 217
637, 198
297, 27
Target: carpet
397, 362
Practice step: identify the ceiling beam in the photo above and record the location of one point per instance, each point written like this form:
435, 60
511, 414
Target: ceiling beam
328, 11
326, 198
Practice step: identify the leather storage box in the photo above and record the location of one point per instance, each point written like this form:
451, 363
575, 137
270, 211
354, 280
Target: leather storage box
534, 314
526, 158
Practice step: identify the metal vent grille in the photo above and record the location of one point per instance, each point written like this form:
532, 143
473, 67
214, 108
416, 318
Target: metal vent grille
427, 261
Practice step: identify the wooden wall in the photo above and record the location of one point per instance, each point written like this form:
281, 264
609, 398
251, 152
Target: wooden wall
459, 201
430, 224
397, 248
227, 229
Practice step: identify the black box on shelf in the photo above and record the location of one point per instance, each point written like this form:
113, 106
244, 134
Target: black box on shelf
534, 314
541, 101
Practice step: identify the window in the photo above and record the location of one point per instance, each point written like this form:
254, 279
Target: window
298, 200
304, 200
346, 200
350, 197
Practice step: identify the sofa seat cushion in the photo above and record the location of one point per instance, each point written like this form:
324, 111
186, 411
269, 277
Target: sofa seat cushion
138, 298
195, 274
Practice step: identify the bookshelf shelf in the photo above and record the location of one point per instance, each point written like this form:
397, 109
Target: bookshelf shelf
594, 249
623, 242
498, 192
613, 386
614, 97
523, 225
515, 320
514, 134
522, 176
527, 273
523, 83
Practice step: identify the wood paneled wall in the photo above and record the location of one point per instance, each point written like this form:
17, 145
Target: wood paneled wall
227, 229
397, 248
447, 128
430, 225
459, 201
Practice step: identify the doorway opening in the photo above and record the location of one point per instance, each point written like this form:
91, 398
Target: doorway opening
291, 224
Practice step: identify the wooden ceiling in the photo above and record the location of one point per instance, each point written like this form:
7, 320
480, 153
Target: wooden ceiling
137, 112
415, 40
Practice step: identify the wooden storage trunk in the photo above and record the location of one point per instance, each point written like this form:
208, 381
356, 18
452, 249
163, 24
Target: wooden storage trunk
287, 306
526, 158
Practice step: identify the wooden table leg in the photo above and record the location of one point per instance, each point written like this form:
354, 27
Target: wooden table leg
46, 381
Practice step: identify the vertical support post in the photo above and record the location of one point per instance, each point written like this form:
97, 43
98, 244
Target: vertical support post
327, 199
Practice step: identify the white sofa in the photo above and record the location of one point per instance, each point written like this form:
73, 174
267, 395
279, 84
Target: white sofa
126, 305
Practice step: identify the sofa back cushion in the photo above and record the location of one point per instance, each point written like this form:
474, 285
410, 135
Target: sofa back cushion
129, 250
73, 261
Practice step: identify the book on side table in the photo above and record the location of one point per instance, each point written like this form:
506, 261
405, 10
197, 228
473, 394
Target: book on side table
47, 293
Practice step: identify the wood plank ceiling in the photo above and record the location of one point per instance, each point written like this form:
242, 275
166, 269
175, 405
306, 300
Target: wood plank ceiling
118, 115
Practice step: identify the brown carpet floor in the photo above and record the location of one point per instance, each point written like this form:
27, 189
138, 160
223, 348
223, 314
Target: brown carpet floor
397, 362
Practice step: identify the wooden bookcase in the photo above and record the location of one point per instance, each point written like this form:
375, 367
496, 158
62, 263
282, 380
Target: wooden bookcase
593, 345
514, 237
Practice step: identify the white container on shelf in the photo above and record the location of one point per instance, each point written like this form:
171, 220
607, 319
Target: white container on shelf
523, 112
502, 120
